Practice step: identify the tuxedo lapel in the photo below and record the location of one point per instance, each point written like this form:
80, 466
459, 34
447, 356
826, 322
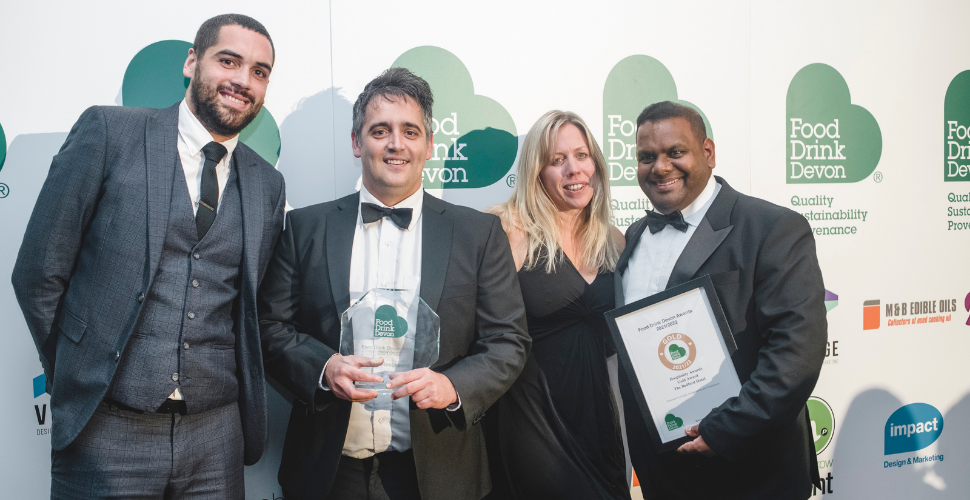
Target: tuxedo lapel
340, 243
436, 233
631, 244
250, 180
710, 233
161, 160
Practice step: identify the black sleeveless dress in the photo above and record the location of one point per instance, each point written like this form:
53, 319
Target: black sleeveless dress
557, 428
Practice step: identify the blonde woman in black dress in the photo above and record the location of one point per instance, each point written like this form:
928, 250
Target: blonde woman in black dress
556, 433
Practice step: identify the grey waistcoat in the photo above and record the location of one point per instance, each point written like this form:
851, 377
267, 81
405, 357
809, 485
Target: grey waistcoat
185, 336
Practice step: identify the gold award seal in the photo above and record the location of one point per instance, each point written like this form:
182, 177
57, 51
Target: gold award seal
677, 351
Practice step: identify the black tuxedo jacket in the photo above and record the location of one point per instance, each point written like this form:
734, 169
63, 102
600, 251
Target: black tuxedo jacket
467, 276
761, 258
93, 246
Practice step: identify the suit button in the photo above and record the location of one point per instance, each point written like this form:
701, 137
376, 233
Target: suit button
175, 377
140, 297
195, 283
196, 255
185, 345
191, 315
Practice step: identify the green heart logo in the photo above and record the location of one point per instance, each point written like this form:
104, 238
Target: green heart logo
475, 141
388, 324
956, 129
633, 84
828, 139
3, 148
154, 79
673, 422
676, 352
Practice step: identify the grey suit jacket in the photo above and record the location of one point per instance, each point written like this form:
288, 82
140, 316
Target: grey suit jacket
92, 248
761, 258
467, 276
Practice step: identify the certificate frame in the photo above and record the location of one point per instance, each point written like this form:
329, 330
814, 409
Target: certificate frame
643, 308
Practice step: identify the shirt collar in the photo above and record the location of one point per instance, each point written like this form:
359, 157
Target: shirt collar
696, 211
195, 136
414, 202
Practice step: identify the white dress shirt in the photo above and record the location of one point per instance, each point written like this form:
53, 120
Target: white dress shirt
192, 137
656, 253
383, 256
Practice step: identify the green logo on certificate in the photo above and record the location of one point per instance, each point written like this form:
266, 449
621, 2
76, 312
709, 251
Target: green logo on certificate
677, 351
388, 324
673, 422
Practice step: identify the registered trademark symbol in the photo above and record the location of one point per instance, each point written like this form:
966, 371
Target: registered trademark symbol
4, 190
510, 180
877, 177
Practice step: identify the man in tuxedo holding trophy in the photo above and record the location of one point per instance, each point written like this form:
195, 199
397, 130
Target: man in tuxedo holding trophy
423, 440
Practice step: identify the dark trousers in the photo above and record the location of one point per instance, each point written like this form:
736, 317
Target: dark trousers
385, 476
126, 455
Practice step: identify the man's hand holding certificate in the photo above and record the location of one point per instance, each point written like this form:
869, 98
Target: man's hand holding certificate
678, 345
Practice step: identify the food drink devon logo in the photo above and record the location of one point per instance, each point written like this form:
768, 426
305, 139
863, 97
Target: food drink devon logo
677, 351
475, 141
823, 422
388, 324
828, 139
673, 422
154, 79
956, 129
912, 427
633, 84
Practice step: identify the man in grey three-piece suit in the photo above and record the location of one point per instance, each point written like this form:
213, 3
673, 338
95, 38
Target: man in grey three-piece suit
138, 276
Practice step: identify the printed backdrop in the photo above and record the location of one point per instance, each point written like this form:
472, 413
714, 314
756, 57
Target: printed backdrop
855, 114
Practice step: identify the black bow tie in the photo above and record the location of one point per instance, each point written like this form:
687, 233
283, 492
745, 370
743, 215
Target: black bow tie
657, 221
370, 212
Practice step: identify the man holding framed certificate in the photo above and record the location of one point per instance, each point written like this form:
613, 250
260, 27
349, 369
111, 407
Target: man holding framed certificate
708, 249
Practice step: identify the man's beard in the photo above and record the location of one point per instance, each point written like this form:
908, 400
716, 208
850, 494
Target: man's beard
219, 119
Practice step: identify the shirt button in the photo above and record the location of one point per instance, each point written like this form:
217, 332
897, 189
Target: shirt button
140, 297
185, 345
191, 315
175, 377
117, 355
196, 255
195, 283
382, 420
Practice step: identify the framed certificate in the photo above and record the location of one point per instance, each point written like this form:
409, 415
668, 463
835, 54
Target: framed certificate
676, 346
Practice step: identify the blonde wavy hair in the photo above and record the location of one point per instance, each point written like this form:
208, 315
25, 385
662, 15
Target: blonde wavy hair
531, 211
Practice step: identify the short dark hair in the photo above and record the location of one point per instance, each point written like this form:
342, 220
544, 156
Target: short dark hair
398, 82
208, 33
666, 109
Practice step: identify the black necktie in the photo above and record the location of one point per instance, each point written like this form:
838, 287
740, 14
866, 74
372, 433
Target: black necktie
209, 191
657, 221
370, 212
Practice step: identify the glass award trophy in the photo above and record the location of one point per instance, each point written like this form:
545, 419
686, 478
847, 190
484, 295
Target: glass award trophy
393, 324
